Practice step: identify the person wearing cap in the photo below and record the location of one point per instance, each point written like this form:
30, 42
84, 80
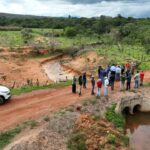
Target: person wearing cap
106, 83
93, 85
99, 85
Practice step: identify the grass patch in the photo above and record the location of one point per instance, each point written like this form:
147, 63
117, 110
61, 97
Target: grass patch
27, 89
7, 136
147, 85
77, 141
47, 119
117, 119
93, 101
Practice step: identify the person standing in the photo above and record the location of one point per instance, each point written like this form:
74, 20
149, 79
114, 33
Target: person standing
128, 77
112, 81
74, 84
118, 71
101, 74
99, 85
122, 81
122, 69
80, 84
93, 85
141, 78
84, 79
112, 76
136, 80
106, 83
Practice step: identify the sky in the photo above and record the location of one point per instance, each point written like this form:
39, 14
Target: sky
77, 8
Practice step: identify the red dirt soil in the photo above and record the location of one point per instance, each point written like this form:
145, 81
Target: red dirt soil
43, 102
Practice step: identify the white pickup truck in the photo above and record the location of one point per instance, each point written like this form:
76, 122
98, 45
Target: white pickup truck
5, 94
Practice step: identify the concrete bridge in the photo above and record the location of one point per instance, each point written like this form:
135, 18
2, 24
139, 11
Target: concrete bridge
132, 103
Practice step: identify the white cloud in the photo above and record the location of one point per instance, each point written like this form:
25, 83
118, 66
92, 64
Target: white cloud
65, 8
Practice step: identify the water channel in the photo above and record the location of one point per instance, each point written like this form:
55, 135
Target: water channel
138, 129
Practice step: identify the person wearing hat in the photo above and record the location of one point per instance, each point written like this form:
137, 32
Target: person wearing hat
93, 85
106, 83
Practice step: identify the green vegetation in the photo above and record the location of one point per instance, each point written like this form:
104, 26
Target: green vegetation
27, 89
117, 119
111, 139
119, 39
77, 141
7, 136
11, 38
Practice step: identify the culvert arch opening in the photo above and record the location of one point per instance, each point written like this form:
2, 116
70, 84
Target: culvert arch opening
136, 108
126, 111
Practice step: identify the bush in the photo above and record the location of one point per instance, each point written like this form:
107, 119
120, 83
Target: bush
77, 141
46, 119
117, 119
70, 32
111, 139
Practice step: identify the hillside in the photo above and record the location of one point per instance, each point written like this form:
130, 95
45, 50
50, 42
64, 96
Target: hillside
18, 16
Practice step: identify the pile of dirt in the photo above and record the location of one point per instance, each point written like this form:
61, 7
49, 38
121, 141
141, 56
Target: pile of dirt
97, 134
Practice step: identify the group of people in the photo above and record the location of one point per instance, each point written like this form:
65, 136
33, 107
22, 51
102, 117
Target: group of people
108, 76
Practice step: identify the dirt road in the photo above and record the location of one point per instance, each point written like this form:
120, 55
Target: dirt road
36, 104
39, 103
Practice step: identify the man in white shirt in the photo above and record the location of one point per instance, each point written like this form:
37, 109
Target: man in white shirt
106, 83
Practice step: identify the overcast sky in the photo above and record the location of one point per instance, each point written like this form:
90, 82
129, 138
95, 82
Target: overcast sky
78, 8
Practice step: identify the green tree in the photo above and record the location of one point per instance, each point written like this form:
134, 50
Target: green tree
70, 32
27, 35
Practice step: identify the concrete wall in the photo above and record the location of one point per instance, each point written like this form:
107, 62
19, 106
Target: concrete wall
131, 102
145, 104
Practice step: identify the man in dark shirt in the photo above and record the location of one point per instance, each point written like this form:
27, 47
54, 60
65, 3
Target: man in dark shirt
80, 84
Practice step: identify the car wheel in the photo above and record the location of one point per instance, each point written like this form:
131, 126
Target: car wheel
1, 100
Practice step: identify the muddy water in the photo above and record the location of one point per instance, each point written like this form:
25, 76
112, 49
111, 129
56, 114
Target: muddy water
138, 128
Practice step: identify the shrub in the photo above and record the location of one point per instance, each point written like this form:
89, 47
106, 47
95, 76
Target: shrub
111, 138
70, 32
46, 119
117, 119
77, 141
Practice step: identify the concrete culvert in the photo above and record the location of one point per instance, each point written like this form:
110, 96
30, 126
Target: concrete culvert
136, 108
126, 111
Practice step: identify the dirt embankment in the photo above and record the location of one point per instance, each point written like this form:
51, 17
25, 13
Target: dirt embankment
15, 71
